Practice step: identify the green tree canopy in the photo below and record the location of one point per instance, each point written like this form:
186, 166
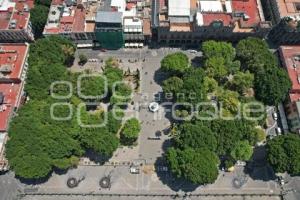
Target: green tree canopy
198, 166
175, 63
122, 94
92, 87
272, 85
242, 151
242, 81
38, 18
218, 49
172, 85
215, 68
193, 88
248, 48
284, 154
130, 131
195, 136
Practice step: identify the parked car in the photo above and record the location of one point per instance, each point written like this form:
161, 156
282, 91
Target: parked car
193, 51
275, 116
278, 131
134, 170
103, 50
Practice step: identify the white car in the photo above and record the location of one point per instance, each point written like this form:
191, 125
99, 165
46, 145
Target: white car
275, 116
134, 170
153, 107
278, 131
193, 51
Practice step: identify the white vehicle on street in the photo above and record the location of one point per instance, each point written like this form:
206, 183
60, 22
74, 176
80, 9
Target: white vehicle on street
278, 131
275, 116
153, 107
134, 170
193, 51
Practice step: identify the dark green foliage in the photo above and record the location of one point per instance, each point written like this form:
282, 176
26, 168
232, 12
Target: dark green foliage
47, 59
195, 136
42, 138
271, 83
130, 131
172, 85
82, 59
284, 154
175, 63
193, 87
38, 18
230, 132
36, 140
198, 166
242, 81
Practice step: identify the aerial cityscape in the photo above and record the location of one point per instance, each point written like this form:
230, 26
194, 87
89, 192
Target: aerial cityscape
150, 99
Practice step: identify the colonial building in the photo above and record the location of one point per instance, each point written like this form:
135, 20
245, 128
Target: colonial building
179, 22
13, 68
15, 25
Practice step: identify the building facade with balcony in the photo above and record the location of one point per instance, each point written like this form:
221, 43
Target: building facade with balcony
13, 69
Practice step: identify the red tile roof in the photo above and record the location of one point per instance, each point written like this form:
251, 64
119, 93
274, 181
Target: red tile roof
208, 18
79, 20
287, 54
12, 95
250, 8
17, 13
13, 55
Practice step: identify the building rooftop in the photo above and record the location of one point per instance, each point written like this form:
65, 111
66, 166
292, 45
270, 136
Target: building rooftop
15, 14
12, 63
109, 17
12, 95
179, 7
288, 8
290, 57
12, 60
68, 16
243, 15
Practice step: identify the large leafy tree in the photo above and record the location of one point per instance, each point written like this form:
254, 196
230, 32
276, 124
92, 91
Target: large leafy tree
272, 85
195, 136
242, 151
248, 48
175, 64
284, 154
218, 49
193, 89
172, 85
38, 18
38, 141
198, 166
130, 131
242, 81
215, 68
43, 136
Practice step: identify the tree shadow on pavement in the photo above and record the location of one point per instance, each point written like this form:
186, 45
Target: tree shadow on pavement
166, 177
34, 181
160, 76
258, 168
